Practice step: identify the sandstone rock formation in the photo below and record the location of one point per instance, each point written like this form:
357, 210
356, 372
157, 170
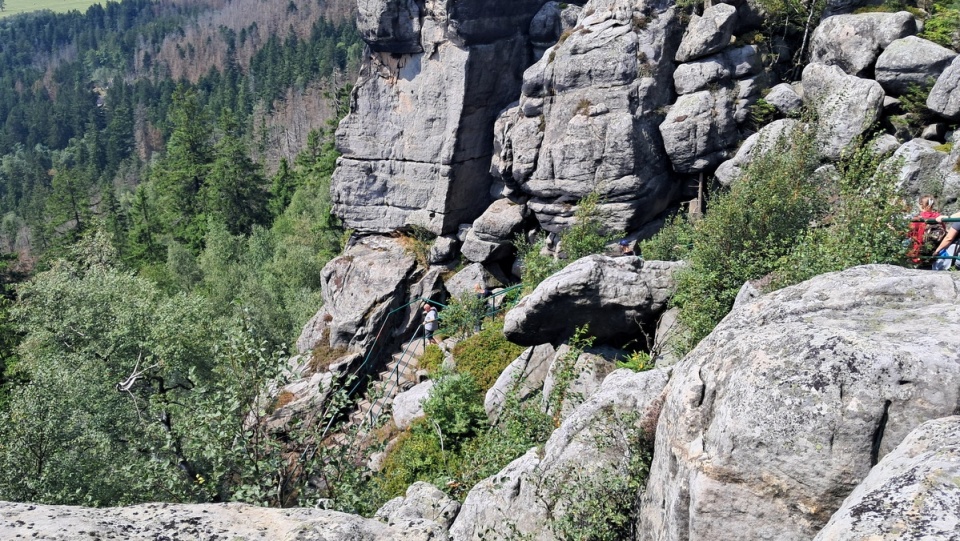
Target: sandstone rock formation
944, 97
615, 295
781, 412
587, 118
492, 234
846, 106
763, 141
525, 499
408, 405
708, 33
853, 42
910, 495
523, 377
416, 145
911, 61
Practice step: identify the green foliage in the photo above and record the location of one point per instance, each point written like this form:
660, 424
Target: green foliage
914, 103
564, 373
747, 230
455, 408
485, 354
604, 505
432, 359
463, 315
762, 113
638, 361
588, 235
672, 243
943, 25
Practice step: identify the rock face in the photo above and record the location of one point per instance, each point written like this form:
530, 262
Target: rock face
524, 376
707, 34
944, 97
762, 141
422, 515
583, 374
910, 495
615, 295
587, 118
699, 130
491, 236
408, 405
853, 42
416, 145
359, 288
525, 499
911, 61
780, 412
846, 105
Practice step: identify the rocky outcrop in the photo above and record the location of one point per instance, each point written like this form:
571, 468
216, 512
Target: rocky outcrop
853, 42
708, 33
529, 495
911, 61
359, 288
922, 169
785, 99
408, 405
846, 106
614, 295
523, 377
772, 420
492, 234
573, 377
587, 118
944, 97
771, 135
910, 495
422, 515
416, 145
700, 130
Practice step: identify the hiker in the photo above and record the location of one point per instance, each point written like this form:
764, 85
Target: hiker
625, 248
948, 246
430, 322
918, 230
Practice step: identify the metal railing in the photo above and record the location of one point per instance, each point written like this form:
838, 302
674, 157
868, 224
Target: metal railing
931, 221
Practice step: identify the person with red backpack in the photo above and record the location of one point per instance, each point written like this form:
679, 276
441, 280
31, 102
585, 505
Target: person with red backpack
921, 234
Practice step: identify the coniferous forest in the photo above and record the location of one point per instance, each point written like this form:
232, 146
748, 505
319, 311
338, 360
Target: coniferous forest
164, 189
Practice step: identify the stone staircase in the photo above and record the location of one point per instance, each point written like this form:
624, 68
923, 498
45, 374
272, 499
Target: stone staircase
399, 374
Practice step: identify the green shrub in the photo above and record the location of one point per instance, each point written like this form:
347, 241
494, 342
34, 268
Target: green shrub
432, 359
416, 456
463, 316
747, 230
638, 361
672, 243
535, 265
942, 27
485, 354
455, 407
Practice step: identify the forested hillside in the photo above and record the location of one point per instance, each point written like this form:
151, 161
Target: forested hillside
164, 188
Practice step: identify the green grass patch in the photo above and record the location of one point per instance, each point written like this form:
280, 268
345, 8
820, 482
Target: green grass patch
16, 7
485, 354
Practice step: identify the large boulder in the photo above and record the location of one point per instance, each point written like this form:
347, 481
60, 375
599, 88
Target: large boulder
358, 288
771, 135
597, 441
575, 376
911, 61
522, 378
846, 106
416, 145
408, 405
922, 169
700, 130
708, 33
944, 97
775, 417
713, 70
615, 295
587, 115
853, 42
784, 99
234, 521
422, 503
492, 234
910, 495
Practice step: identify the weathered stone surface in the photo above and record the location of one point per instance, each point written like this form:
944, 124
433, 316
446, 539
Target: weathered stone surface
464, 281
359, 288
550, 23
443, 249
422, 502
416, 145
582, 377
233, 521
934, 132
491, 236
910, 495
767, 138
911, 61
782, 410
730, 64
707, 34
700, 131
853, 42
669, 330
391, 26
785, 99
921, 169
885, 144
586, 118
615, 295
408, 405
524, 376
846, 106
944, 97
525, 498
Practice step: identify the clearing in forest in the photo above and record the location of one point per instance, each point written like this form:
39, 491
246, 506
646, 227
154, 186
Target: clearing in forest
14, 7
